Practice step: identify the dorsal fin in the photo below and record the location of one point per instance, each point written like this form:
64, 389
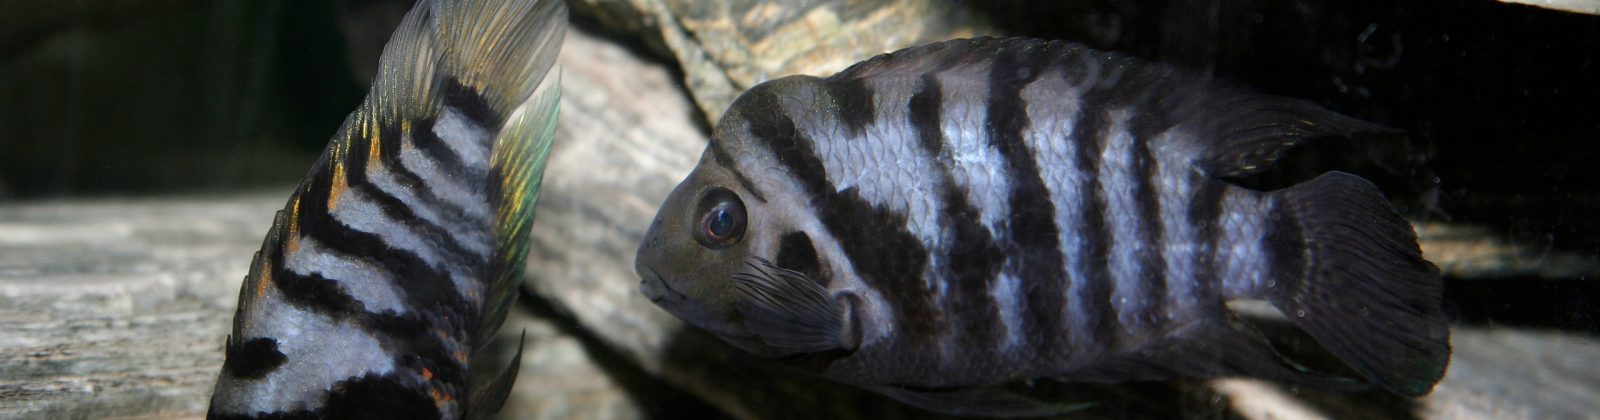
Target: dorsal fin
1251, 134
504, 53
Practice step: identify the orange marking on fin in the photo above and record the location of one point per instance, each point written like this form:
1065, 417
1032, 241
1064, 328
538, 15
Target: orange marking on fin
291, 241
427, 375
264, 279
374, 152
338, 186
439, 398
461, 356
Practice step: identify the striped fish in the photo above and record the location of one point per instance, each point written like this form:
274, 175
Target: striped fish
399, 255
946, 222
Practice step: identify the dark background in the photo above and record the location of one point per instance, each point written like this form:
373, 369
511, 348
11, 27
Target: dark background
1508, 96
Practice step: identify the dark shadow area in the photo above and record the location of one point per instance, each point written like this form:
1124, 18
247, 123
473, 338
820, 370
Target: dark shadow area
654, 395
1504, 92
1566, 304
160, 96
770, 388
1296, 345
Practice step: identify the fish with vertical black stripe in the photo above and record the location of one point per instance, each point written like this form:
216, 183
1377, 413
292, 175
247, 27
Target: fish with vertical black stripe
952, 223
399, 255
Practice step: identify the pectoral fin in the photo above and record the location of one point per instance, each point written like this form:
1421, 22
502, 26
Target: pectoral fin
789, 311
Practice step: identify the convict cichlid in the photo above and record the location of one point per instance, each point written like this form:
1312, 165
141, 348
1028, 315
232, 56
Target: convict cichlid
398, 256
945, 221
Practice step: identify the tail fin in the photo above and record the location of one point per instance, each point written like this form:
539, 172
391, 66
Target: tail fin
1362, 290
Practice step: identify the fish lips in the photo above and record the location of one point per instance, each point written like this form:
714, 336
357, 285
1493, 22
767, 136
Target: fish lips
654, 287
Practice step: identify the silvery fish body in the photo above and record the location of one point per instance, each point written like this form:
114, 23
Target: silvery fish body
945, 221
399, 255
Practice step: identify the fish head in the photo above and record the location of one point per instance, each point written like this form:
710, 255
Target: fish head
732, 251
701, 237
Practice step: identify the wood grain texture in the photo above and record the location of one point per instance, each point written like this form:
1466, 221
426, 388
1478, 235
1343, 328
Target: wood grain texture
120, 306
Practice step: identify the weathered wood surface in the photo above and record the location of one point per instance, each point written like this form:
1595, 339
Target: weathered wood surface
119, 307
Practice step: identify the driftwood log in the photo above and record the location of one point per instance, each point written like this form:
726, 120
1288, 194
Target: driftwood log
118, 307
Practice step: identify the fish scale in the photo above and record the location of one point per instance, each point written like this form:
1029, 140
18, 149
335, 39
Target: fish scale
989, 212
397, 257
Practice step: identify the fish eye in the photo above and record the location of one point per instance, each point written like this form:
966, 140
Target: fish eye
722, 219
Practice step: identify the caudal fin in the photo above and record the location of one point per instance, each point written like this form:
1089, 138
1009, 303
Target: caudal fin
1362, 289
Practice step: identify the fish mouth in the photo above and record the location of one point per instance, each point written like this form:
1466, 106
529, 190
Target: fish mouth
656, 289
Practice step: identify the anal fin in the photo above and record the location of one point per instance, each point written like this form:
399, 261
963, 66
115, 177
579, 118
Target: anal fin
1208, 349
489, 397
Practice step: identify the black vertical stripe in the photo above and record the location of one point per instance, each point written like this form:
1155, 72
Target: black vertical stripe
926, 107
471, 104
251, 358
422, 281
721, 156
852, 101
1147, 196
1088, 136
429, 292
434, 236
796, 252
769, 124
367, 396
406, 336
1033, 239
973, 263
875, 240
380, 397
884, 253
973, 260
389, 144
429, 143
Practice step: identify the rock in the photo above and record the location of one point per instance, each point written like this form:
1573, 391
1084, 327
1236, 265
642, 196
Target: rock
724, 47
